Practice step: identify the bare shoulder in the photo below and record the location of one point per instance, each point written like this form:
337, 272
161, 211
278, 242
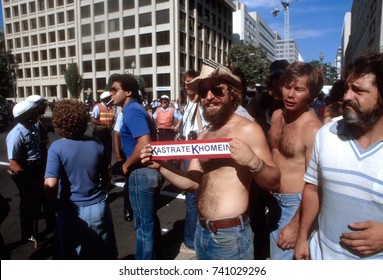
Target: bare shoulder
311, 121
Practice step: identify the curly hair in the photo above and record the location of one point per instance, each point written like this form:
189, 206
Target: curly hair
70, 118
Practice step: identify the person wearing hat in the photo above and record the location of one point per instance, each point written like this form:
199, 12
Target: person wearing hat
167, 120
223, 229
143, 183
25, 166
103, 119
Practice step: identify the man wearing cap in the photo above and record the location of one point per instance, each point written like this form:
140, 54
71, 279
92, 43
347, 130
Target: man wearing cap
223, 230
136, 131
25, 165
167, 120
103, 120
291, 138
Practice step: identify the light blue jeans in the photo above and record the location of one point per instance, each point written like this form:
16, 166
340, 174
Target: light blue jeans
288, 205
144, 194
85, 232
235, 243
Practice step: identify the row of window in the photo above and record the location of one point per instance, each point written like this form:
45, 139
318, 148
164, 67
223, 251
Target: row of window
25, 9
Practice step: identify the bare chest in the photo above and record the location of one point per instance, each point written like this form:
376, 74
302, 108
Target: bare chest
286, 139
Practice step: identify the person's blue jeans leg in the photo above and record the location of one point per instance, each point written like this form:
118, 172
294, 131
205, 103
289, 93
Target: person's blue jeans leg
288, 206
144, 190
191, 218
236, 243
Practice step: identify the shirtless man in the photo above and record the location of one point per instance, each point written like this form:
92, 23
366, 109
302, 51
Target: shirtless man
224, 231
291, 138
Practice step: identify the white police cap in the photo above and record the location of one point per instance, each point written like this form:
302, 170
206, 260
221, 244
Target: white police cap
105, 95
23, 108
35, 98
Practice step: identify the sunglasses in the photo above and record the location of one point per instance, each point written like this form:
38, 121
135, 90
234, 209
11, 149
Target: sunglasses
216, 90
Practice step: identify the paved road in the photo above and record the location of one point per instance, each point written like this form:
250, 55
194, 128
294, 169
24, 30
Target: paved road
171, 213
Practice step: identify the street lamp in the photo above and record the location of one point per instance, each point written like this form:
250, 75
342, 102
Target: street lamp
13, 86
133, 65
321, 56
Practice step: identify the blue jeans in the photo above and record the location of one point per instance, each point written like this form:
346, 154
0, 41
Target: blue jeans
235, 243
85, 232
144, 192
288, 205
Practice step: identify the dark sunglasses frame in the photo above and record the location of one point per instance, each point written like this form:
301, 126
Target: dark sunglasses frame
216, 90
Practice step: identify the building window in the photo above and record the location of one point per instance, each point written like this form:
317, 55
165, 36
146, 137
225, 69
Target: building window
15, 11
114, 44
35, 56
32, 7
162, 17
61, 35
163, 1
129, 23
114, 63
24, 25
162, 38
60, 3
70, 16
143, 3
100, 46
23, 8
62, 69
18, 42
71, 33
33, 23
72, 51
27, 57
100, 65
62, 52
51, 4
145, 19
16, 27
146, 40
34, 40
98, 9
43, 38
99, 28
52, 37
53, 70
128, 62
52, 54
146, 60
163, 59
36, 72
114, 25
129, 42
113, 6
51, 20
85, 12
85, 30
27, 72
87, 66
148, 80
42, 22
60, 18
25, 42
127, 4
44, 71
86, 48
163, 79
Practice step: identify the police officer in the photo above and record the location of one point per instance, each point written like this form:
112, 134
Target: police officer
25, 162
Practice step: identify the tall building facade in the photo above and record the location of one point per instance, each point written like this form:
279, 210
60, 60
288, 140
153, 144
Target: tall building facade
366, 28
251, 29
287, 49
155, 39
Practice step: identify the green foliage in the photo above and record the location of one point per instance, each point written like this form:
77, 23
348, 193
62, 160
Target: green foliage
73, 80
252, 61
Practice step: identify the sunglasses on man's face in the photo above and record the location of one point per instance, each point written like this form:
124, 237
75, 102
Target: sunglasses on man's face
216, 90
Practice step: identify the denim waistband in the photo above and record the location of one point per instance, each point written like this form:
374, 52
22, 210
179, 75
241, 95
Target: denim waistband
288, 198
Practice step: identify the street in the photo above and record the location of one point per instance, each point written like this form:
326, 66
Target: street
171, 213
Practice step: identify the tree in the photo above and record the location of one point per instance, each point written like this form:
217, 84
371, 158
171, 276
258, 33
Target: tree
73, 80
252, 61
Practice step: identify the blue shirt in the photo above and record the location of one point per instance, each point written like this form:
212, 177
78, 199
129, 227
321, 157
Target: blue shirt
23, 144
78, 165
136, 123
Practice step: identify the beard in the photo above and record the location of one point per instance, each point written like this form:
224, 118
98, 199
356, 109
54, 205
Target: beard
220, 117
357, 119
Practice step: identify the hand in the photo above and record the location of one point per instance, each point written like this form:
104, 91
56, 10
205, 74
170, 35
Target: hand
301, 250
146, 157
367, 238
288, 237
242, 154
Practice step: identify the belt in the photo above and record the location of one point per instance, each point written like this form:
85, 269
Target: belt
214, 225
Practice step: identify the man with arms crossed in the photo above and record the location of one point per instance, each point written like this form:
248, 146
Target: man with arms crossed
344, 180
223, 230
291, 138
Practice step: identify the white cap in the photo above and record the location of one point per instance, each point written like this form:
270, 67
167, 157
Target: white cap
22, 108
104, 95
35, 98
164, 97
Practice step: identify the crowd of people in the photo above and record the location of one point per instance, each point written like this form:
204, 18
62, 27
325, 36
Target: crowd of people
299, 183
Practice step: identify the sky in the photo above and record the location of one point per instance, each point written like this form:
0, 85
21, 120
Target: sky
315, 25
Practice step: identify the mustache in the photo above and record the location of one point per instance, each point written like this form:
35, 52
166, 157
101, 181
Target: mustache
351, 104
